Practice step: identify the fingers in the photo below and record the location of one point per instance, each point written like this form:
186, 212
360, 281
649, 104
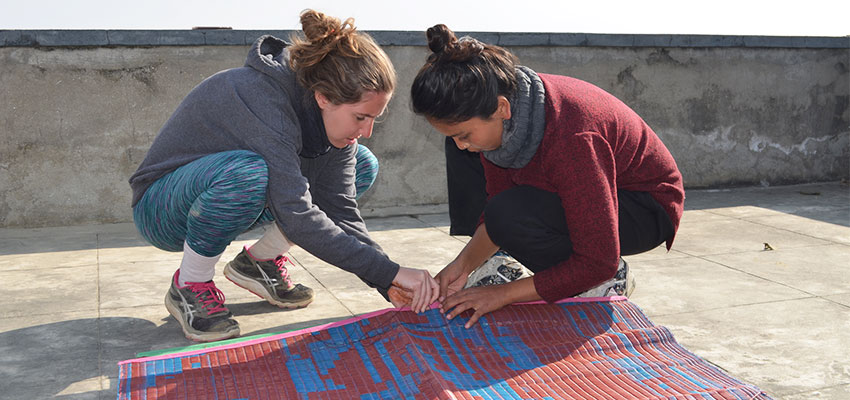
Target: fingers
418, 283
474, 319
427, 299
481, 302
456, 304
435, 291
443, 281
429, 291
417, 297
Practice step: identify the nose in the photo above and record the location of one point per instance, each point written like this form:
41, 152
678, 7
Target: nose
366, 131
461, 145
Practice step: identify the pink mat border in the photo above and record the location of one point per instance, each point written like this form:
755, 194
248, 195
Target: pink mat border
340, 323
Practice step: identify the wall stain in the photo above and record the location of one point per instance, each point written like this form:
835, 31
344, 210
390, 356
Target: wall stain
143, 74
703, 114
631, 86
662, 56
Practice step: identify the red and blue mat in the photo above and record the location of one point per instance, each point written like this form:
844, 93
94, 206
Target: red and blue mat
577, 349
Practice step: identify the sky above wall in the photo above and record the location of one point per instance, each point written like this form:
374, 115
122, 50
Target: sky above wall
716, 17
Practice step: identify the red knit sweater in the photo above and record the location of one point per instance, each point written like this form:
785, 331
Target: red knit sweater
593, 145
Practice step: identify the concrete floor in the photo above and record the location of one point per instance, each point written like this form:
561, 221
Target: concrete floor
77, 300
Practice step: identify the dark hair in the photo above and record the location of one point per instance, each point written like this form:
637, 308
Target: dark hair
462, 78
337, 61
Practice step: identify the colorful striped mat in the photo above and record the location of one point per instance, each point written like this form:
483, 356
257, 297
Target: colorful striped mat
577, 349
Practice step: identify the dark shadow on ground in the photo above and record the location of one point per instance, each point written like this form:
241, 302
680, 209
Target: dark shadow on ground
66, 359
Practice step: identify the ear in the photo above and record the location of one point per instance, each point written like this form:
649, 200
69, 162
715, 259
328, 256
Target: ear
321, 100
503, 109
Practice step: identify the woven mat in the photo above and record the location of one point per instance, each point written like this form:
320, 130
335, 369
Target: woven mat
577, 349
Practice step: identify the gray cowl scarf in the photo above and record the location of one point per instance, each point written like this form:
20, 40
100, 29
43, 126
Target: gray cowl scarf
523, 132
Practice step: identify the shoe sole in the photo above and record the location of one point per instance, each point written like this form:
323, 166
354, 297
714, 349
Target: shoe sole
192, 333
259, 290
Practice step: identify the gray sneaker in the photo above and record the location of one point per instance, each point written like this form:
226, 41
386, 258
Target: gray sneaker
269, 280
499, 269
622, 284
199, 308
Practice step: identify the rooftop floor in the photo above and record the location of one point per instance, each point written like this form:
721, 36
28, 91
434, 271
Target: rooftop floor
77, 300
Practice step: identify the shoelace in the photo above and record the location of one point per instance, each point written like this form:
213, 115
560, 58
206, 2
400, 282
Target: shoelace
281, 261
212, 302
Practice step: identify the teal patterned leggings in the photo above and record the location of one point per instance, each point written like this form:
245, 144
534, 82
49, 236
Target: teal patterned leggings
210, 201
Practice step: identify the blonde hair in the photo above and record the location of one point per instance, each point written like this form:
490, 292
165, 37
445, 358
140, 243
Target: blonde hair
339, 62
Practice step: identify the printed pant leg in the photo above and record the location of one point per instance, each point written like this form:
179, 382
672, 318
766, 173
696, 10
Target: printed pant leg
365, 171
206, 203
365, 174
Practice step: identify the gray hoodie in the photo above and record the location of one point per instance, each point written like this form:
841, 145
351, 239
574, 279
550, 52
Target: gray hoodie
261, 108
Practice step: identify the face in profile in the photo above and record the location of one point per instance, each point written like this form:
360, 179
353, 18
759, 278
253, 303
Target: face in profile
345, 123
477, 134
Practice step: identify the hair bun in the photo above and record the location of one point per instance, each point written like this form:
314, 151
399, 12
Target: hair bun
318, 26
439, 38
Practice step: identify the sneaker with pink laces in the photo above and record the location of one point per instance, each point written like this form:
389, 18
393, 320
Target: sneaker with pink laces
199, 307
268, 279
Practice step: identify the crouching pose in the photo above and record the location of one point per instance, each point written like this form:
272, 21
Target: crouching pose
574, 178
273, 141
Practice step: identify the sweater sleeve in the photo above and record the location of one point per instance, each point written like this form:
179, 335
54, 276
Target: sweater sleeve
310, 227
582, 170
334, 193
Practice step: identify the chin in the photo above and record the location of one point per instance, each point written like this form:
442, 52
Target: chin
339, 144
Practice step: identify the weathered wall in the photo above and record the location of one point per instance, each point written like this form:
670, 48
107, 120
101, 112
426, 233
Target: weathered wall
729, 115
79, 113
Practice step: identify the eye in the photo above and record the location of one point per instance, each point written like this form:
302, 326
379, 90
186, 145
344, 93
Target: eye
360, 118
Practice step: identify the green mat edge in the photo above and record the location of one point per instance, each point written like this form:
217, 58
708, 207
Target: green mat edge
202, 346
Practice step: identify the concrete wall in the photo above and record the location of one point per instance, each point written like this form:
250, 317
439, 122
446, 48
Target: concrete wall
78, 110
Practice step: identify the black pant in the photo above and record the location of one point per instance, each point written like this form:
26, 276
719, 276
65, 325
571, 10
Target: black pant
529, 224
467, 192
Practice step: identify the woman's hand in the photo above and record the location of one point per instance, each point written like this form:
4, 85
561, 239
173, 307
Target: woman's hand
419, 283
482, 300
451, 280
486, 299
476, 252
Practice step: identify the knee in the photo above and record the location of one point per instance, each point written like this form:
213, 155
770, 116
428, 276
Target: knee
522, 211
246, 170
500, 214
366, 169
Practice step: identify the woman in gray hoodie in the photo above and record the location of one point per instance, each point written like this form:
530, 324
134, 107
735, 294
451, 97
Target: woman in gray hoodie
274, 140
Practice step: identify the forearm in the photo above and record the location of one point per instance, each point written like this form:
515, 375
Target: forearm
521, 290
477, 250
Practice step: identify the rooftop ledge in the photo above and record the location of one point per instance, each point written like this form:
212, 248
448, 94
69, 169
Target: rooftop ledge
229, 37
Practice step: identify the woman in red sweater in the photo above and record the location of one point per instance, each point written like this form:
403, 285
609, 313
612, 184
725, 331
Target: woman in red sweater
574, 177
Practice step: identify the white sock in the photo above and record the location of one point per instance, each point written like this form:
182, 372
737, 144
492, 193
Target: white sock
272, 244
195, 267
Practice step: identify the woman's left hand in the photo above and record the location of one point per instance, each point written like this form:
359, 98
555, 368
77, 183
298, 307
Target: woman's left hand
482, 300
416, 284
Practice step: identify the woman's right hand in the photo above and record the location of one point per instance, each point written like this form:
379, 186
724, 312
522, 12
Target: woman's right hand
454, 276
451, 279
420, 283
